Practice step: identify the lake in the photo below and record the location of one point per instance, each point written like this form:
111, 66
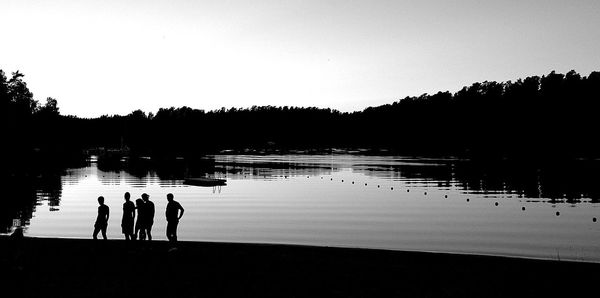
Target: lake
389, 202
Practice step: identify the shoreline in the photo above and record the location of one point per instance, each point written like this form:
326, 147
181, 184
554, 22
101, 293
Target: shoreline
399, 250
81, 267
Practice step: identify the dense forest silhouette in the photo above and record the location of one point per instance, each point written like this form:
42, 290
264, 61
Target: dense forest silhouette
552, 116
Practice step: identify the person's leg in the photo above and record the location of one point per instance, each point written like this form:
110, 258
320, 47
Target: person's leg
149, 232
104, 232
169, 228
96, 230
129, 231
174, 232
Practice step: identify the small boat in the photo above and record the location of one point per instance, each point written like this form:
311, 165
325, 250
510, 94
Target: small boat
205, 181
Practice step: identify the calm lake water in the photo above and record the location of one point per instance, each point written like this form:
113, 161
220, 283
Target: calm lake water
386, 202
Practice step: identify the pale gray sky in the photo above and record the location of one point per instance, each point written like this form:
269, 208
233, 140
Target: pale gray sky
114, 56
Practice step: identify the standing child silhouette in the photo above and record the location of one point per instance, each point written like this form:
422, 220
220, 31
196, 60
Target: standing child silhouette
173, 217
102, 219
148, 216
140, 230
128, 218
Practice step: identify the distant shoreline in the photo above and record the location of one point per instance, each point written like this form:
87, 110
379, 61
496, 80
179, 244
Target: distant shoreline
76, 267
538, 117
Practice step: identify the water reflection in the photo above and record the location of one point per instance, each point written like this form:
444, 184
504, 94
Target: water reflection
166, 169
22, 195
557, 183
562, 182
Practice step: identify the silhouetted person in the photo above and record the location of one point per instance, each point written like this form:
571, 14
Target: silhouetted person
102, 219
128, 218
173, 217
140, 231
149, 216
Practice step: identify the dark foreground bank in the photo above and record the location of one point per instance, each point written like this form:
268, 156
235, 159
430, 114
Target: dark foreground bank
78, 268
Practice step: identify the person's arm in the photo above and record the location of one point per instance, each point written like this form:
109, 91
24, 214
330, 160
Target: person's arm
181, 214
107, 213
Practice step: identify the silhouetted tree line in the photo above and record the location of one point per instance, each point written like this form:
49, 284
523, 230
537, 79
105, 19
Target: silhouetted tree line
551, 116
32, 133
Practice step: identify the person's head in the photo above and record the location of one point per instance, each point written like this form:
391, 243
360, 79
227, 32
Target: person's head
139, 202
145, 196
170, 197
101, 200
127, 196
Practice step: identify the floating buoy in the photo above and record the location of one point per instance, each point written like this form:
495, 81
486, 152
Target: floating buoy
445, 196
365, 184
496, 203
594, 219
425, 193
557, 213
467, 200
307, 176
523, 208
391, 188
352, 182
285, 177
321, 177
377, 186
331, 179
408, 190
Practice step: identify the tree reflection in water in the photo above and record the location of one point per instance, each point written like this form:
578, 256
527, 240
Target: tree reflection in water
555, 182
22, 195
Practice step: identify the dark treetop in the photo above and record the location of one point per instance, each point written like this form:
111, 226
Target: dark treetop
552, 115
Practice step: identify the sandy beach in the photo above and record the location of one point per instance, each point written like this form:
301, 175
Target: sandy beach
87, 268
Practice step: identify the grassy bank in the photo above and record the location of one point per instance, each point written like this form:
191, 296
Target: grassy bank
78, 268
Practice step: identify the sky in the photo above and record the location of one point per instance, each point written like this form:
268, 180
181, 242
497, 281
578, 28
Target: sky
113, 57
